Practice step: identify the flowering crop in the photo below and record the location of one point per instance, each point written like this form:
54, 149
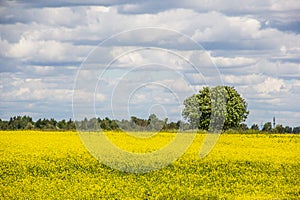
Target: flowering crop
56, 165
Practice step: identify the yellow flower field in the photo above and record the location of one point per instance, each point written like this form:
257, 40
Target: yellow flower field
56, 165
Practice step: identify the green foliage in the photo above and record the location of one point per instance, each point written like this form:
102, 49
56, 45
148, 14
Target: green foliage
267, 127
288, 129
279, 129
243, 127
254, 127
153, 123
296, 129
219, 105
27, 123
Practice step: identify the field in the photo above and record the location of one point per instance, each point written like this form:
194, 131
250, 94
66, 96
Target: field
56, 165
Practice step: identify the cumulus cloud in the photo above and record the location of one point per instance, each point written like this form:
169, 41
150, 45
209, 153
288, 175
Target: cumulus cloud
270, 85
34, 88
253, 45
233, 61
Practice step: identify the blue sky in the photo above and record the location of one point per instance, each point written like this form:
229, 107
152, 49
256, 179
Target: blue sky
254, 44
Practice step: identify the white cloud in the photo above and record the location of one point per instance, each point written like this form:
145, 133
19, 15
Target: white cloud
236, 28
251, 79
81, 95
46, 51
30, 50
233, 62
277, 68
4, 47
43, 70
58, 16
138, 98
253, 54
271, 85
34, 89
286, 5
225, 6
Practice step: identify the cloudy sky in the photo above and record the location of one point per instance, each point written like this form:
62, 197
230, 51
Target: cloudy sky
121, 58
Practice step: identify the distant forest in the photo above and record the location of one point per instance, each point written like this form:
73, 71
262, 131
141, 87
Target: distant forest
134, 124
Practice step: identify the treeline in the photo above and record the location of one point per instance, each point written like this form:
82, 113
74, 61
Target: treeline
134, 124
27, 123
153, 123
265, 128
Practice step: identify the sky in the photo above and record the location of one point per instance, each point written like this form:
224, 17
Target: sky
69, 59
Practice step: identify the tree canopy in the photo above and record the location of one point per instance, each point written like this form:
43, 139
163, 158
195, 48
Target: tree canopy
221, 105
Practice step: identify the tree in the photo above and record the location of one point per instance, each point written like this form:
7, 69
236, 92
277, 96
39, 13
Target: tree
224, 102
105, 124
279, 129
93, 125
70, 125
155, 124
52, 123
296, 129
267, 127
62, 124
84, 124
4, 125
288, 129
38, 124
137, 124
243, 127
255, 127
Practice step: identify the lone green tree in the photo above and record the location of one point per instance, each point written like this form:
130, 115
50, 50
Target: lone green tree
221, 105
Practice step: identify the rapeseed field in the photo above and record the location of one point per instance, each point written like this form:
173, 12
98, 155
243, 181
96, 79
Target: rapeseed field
56, 165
